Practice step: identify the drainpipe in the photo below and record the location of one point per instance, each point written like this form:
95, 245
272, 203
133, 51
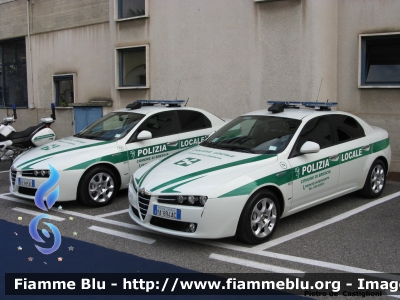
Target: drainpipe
28, 3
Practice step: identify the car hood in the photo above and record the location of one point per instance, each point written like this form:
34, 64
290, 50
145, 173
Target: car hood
198, 171
60, 153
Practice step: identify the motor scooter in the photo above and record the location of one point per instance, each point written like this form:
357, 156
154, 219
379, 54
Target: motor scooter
13, 143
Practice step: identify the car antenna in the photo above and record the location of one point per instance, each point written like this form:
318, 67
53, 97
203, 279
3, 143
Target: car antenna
319, 88
187, 102
176, 97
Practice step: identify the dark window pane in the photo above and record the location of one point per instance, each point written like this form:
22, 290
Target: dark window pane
317, 130
133, 67
161, 124
9, 53
347, 128
131, 8
111, 127
64, 86
254, 134
383, 74
192, 120
21, 51
13, 78
15, 90
382, 60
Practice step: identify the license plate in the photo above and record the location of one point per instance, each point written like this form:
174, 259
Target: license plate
26, 182
166, 212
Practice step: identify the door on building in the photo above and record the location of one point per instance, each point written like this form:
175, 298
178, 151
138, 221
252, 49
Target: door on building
84, 116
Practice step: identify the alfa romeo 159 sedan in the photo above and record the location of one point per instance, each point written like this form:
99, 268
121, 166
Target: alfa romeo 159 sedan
259, 168
98, 161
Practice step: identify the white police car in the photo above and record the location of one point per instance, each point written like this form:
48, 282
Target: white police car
258, 168
95, 163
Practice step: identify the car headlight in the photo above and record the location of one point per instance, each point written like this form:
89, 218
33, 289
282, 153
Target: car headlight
203, 200
184, 200
36, 173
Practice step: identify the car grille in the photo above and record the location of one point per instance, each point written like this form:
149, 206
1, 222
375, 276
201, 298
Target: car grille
13, 176
144, 201
27, 191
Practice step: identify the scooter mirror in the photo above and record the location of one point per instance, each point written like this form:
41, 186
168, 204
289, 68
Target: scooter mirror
53, 111
14, 107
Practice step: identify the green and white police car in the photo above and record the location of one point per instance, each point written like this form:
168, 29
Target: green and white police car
259, 168
98, 161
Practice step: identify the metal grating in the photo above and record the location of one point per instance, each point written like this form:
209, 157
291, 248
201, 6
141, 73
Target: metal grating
144, 201
13, 176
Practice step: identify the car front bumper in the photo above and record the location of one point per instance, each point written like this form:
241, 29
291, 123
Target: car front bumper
217, 219
67, 183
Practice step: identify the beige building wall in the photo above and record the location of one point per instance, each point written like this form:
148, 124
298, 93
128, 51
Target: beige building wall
226, 56
231, 56
49, 15
66, 37
378, 106
82, 51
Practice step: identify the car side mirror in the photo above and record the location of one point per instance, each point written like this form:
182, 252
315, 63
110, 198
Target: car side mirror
309, 147
144, 135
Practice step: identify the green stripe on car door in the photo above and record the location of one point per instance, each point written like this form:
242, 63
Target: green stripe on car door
296, 173
43, 157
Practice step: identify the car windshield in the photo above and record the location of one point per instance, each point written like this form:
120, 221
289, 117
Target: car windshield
111, 127
254, 134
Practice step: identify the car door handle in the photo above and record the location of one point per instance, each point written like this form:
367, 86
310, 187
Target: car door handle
334, 157
366, 148
281, 174
174, 143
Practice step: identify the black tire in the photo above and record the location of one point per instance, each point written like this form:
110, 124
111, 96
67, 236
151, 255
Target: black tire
97, 186
264, 207
375, 181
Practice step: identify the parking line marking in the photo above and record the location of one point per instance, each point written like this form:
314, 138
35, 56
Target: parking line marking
5, 197
113, 213
35, 213
84, 216
256, 265
322, 224
5, 171
123, 234
302, 260
103, 220
247, 250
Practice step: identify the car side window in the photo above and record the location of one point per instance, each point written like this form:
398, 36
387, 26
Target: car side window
161, 124
318, 130
346, 128
192, 120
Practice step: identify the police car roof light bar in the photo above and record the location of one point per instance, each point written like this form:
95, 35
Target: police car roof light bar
163, 102
168, 103
320, 105
286, 103
279, 106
